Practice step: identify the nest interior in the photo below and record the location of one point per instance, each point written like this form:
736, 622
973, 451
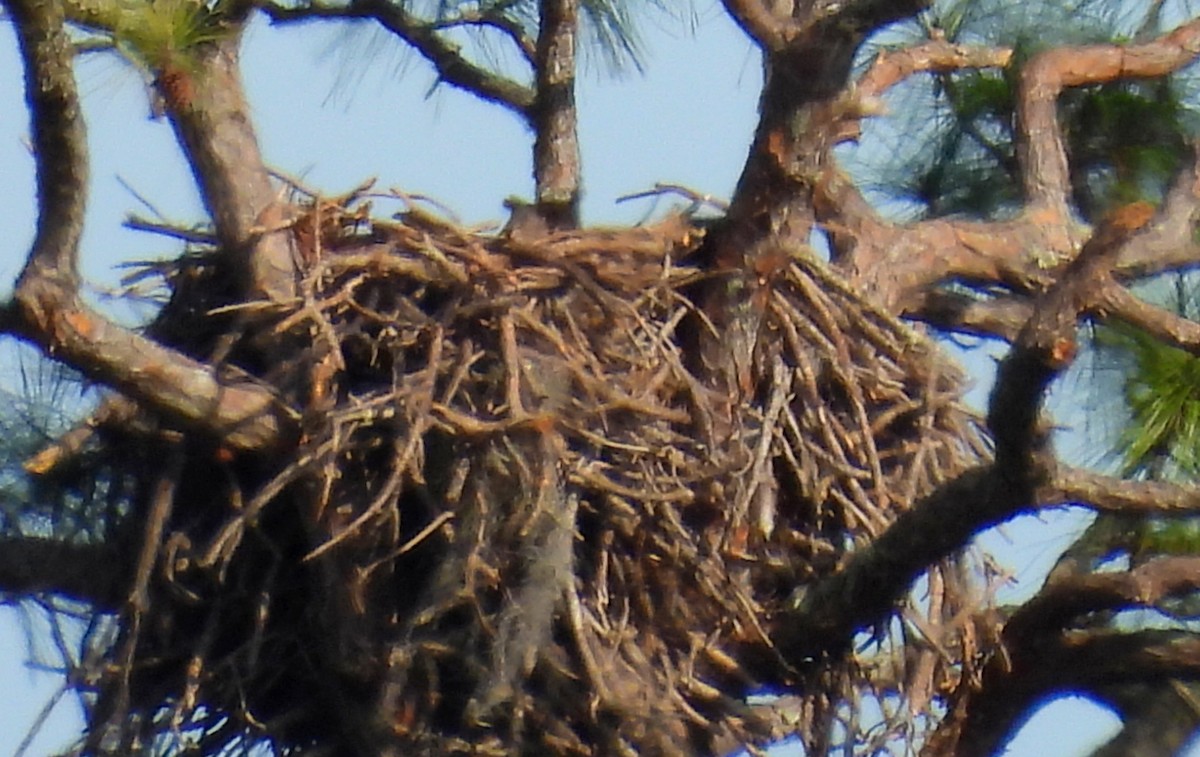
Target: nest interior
519, 517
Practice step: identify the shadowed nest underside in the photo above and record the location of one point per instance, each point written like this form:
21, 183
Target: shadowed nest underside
517, 517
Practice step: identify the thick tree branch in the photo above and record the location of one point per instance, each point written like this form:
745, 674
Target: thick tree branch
59, 140
937, 56
896, 264
447, 59
767, 22
1114, 300
207, 106
1042, 654
1173, 242
1000, 317
201, 88
94, 573
556, 170
1068, 596
1040, 148
47, 308
1109, 494
1157, 717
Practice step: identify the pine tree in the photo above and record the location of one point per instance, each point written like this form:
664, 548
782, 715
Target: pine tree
371, 485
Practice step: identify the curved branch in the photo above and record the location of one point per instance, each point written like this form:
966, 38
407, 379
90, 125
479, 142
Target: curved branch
1085, 661
763, 23
59, 140
1040, 149
1156, 718
447, 59
46, 307
491, 18
1067, 596
1173, 243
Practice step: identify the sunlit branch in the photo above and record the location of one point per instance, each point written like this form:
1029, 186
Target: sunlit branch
1116, 301
935, 56
1172, 243
205, 101
1041, 149
1110, 494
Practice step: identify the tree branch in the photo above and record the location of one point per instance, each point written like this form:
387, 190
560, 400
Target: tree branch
891, 67
207, 107
1040, 148
93, 573
492, 18
1041, 654
897, 264
447, 59
1156, 717
1109, 494
1114, 300
1082, 661
1068, 596
999, 317
768, 23
46, 306
1173, 243
556, 169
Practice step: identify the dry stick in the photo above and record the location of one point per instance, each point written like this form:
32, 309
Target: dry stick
405, 452
138, 602
189, 698
225, 542
761, 474
512, 366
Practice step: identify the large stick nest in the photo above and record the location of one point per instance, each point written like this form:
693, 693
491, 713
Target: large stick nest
518, 518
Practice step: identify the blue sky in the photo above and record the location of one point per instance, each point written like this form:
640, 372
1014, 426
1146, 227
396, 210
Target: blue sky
335, 122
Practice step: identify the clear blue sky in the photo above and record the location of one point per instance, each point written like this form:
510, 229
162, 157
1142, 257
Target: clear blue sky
336, 122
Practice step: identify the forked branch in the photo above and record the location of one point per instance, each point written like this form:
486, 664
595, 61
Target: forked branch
447, 58
47, 308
